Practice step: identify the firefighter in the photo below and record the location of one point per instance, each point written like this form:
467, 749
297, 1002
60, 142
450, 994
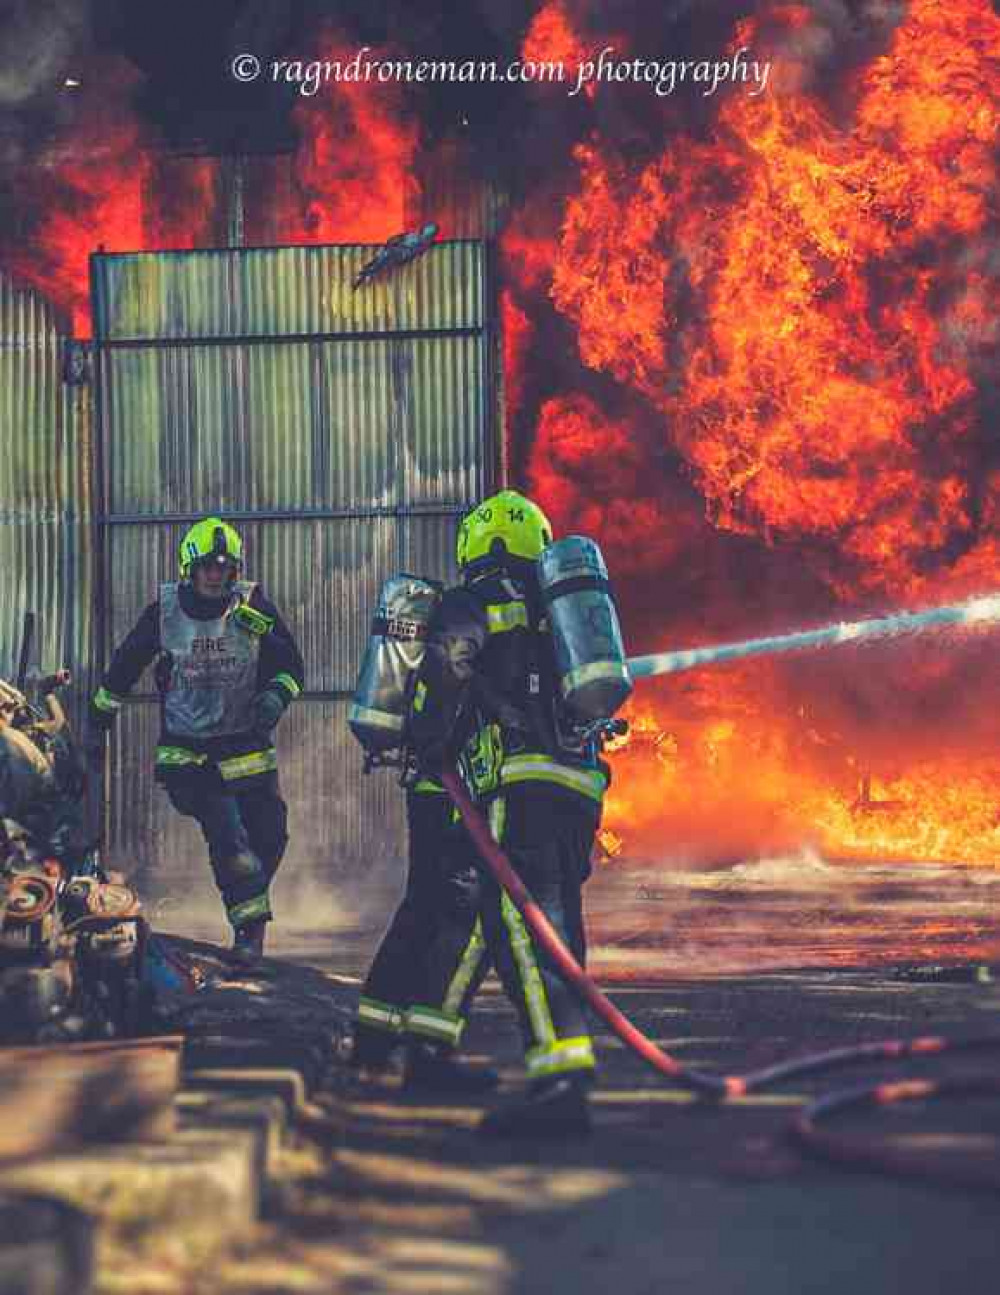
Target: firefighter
438, 917
435, 936
541, 784
227, 668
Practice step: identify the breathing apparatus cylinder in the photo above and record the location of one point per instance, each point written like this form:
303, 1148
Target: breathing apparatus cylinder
594, 678
395, 650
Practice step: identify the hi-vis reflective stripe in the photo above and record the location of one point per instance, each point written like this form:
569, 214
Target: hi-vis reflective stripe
482, 759
290, 684
170, 756
381, 1016
428, 787
614, 670
375, 718
252, 620
429, 1023
540, 768
466, 969
532, 986
245, 766
501, 617
498, 819
560, 1057
259, 906
105, 700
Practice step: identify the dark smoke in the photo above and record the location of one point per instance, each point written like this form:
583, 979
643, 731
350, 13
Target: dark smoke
38, 41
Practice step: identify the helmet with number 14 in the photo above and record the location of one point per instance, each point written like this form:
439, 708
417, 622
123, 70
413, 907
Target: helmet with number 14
506, 526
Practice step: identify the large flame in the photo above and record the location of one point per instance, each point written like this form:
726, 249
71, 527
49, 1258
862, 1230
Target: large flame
729, 773
645, 516
354, 168
794, 297
85, 191
798, 302
750, 343
102, 181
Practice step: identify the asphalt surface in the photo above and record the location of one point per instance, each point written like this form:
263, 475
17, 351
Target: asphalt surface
669, 1194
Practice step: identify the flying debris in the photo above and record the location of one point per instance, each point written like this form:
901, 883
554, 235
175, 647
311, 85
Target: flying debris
397, 251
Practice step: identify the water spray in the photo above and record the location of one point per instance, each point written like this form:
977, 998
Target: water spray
976, 611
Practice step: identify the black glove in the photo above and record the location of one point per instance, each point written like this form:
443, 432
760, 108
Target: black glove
267, 708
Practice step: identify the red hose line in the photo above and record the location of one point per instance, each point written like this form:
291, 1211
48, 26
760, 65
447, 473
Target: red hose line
883, 1050
632, 1037
566, 964
816, 1141
857, 1153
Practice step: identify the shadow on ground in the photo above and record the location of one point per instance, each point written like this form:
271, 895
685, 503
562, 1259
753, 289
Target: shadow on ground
398, 1195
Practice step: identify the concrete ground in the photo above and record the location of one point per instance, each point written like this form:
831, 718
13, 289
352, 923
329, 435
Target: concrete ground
388, 1195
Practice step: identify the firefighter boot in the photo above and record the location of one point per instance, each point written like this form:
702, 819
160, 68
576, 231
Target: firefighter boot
248, 943
372, 1050
432, 1068
556, 1107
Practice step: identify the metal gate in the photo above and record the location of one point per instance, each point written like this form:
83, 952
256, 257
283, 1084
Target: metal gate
341, 431
44, 509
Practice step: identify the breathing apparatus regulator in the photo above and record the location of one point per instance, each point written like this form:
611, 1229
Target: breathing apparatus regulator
511, 533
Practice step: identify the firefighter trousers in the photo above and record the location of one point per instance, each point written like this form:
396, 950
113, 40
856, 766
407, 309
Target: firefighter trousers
547, 832
432, 959
245, 825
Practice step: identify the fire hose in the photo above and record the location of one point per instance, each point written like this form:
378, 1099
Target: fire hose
804, 1127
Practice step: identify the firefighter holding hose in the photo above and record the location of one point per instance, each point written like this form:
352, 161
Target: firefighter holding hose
435, 940
227, 668
521, 651
435, 935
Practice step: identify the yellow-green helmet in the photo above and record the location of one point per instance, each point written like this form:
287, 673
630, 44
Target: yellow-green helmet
505, 525
209, 539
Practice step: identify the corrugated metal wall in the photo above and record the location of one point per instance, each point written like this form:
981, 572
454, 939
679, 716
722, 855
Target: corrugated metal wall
44, 509
342, 432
